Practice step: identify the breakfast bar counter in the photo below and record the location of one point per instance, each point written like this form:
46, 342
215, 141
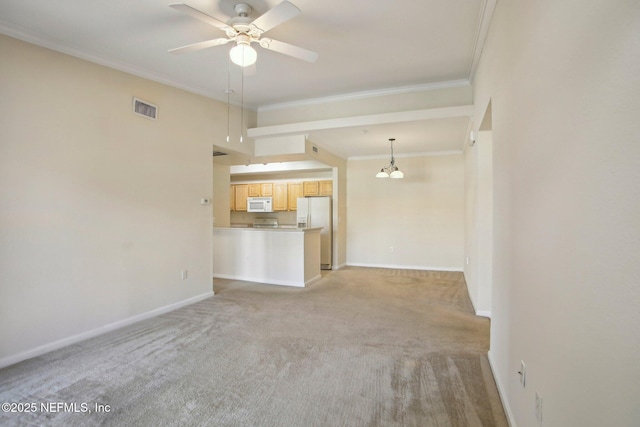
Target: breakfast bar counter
278, 256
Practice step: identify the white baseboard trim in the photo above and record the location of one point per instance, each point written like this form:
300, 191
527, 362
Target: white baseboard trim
313, 280
481, 313
46, 348
406, 267
338, 267
260, 280
501, 391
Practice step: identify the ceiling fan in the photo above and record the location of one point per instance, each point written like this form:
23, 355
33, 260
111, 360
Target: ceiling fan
242, 31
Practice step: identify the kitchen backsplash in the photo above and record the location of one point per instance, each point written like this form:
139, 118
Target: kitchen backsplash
284, 218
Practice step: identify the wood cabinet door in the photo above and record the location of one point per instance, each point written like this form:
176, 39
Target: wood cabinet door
253, 190
232, 198
326, 188
280, 199
241, 194
310, 188
266, 189
295, 191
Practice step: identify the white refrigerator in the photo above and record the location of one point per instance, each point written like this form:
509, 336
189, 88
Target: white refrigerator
317, 212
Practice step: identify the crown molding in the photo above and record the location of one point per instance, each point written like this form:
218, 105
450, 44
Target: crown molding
365, 94
484, 22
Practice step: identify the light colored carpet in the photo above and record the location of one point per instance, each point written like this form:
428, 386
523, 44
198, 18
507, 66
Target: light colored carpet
361, 347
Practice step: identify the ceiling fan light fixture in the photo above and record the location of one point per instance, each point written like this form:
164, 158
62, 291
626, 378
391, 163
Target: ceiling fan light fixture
242, 53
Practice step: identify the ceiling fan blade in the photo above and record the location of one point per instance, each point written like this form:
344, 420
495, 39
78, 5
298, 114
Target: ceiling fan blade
289, 49
199, 15
276, 16
200, 45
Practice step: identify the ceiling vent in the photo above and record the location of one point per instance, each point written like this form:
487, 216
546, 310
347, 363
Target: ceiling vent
218, 153
145, 109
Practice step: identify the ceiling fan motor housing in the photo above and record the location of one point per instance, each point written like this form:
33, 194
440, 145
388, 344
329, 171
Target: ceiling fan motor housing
242, 9
241, 24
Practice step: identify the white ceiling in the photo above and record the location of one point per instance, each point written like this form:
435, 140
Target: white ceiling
363, 45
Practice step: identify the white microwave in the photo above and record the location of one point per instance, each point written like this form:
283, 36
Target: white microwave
259, 204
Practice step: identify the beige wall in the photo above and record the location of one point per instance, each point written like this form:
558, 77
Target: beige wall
221, 198
421, 216
562, 78
478, 268
100, 208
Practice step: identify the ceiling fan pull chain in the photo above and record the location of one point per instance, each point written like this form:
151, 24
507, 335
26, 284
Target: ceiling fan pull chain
228, 98
241, 102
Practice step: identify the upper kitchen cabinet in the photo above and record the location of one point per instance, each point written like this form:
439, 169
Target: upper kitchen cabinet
317, 188
266, 189
326, 188
310, 188
295, 191
260, 189
285, 195
241, 194
253, 190
280, 196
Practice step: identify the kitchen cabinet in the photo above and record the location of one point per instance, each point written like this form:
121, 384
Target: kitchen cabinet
266, 189
326, 188
310, 188
260, 189
294, 191
253, 190
240, 198
232, 198
280, 196
285, 195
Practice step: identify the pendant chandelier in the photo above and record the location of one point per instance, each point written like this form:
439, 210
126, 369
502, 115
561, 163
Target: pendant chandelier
392, 170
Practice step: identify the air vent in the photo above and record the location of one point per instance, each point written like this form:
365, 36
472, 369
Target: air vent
144, 109
218, 153
315, 149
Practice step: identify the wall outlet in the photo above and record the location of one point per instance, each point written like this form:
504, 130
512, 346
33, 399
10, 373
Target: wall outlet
539, 407
523, 373
467, 260
390, 249
185, 274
